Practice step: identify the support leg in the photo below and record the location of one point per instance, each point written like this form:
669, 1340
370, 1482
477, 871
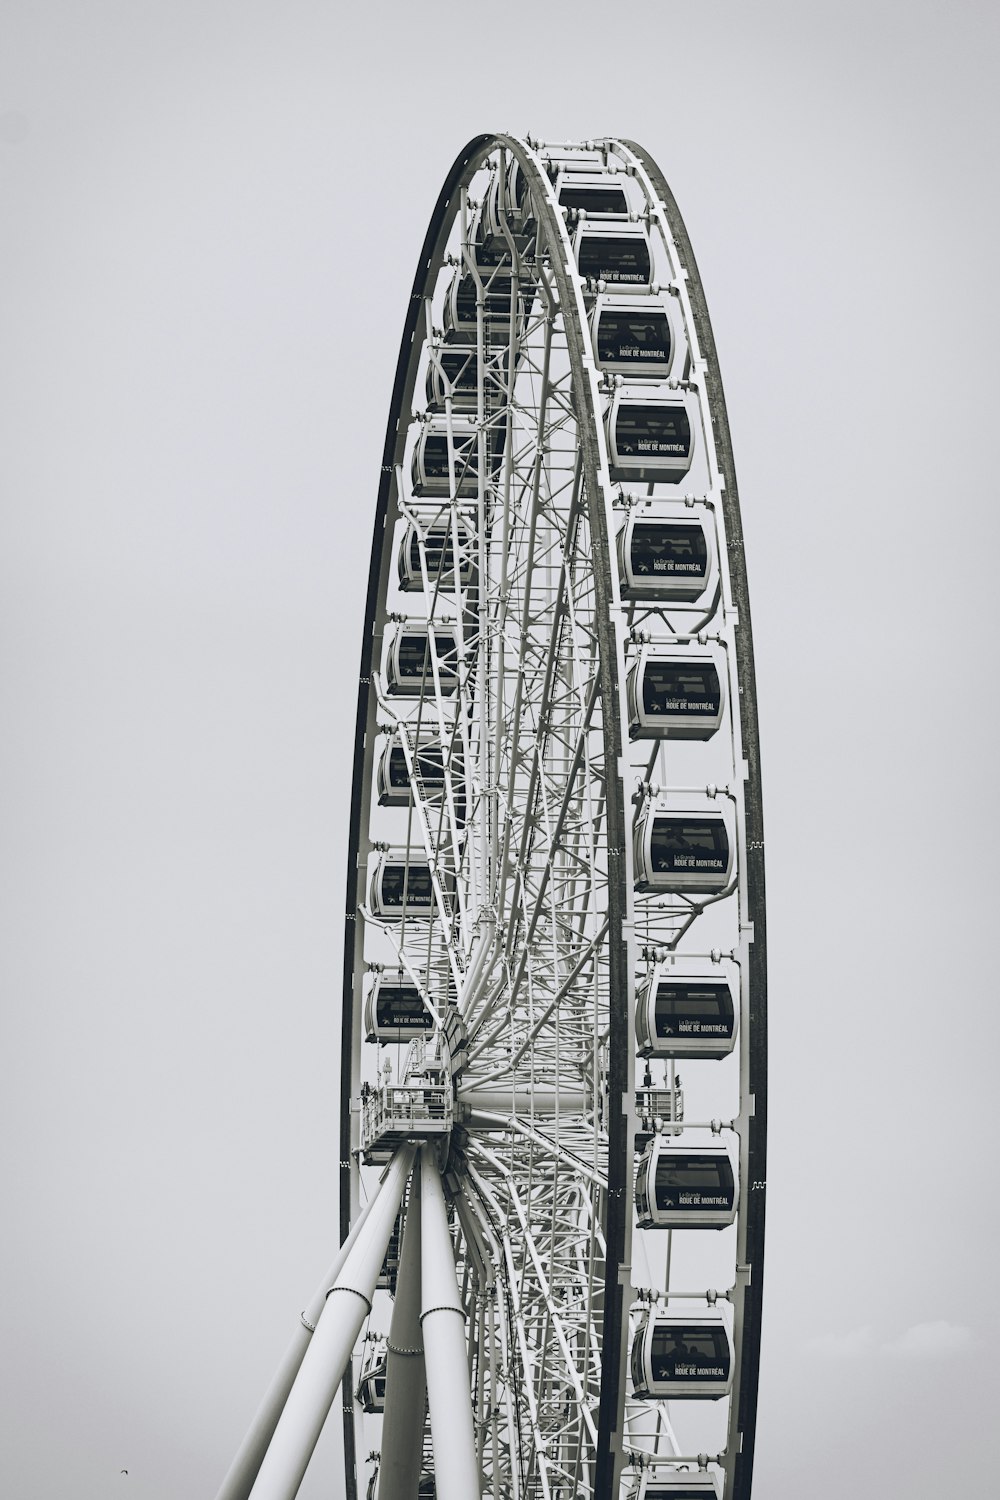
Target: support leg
330, 1349
456, 1472
244, 1468
406, 1383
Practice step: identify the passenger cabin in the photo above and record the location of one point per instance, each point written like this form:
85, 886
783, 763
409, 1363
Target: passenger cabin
675, 693
453, 372
461, 324
650, 435
401, 885
633, 337
682, 1187
618, 255
673, 1484
663, 559
439, 556
371, 1387
591, 193
410, 662
684, 1015
393, 780
395, 1011
682, 851
512, 207
432, 473
491, 248
682, 1356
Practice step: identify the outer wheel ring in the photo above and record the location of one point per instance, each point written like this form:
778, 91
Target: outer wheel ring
621, 962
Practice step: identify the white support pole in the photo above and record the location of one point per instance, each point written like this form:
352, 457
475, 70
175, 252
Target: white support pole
406, 1382
245, 1466
456, 1472
330, 1349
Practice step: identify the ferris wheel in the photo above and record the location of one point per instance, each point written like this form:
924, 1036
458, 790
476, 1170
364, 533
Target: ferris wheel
550, 1279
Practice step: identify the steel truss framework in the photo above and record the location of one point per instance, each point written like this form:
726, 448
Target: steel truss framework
493, 1273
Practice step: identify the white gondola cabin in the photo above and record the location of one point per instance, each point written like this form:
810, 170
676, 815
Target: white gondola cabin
460, 303
438, 471
393, 783
673, 1484
371, 1386
491, 248
401, 885
686, 850
684, 1187
650, 434
683, 1355
593, 193
512, 206
410, 662
634, 337
395, 1011
439, 554
454, 372
617, 254
663, 558
684, 1015
675, 693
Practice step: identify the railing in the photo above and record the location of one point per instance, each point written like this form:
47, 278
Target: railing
405, 1110
663, 1104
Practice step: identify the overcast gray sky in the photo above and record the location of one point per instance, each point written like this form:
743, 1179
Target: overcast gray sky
211, 216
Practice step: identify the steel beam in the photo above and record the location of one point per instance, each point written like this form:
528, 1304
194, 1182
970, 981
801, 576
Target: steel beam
245, 1466
406, 1382
442, 1319
347, 1305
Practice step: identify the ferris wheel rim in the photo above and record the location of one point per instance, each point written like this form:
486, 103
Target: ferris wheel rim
614, 1347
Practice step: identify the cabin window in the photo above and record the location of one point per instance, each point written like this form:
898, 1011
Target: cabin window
399, 776
694, 1182
689, 846
623, 335
621, 260
496, 289
415, 658
594, 200
402, 1007
438, 550
430, 768
638, 1378
460, 366
680, 1353
435, 453
670, 687
687, 1010
652, 432
495, 251
663, 550
417, 882
430, 765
